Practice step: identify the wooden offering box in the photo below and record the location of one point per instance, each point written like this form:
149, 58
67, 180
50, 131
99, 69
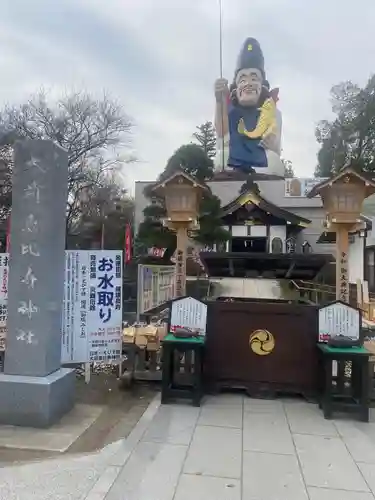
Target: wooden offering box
266, 347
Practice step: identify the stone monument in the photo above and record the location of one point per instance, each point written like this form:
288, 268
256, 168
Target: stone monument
247, 121
34, 390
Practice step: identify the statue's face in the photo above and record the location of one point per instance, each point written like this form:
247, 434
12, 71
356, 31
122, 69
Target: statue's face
249, 86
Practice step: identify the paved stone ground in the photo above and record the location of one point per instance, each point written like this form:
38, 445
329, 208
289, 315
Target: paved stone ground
116, 412
232, 448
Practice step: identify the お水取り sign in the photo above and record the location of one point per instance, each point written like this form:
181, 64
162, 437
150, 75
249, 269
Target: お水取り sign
92, 307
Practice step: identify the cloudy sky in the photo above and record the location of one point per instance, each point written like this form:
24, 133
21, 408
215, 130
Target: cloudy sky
160, 59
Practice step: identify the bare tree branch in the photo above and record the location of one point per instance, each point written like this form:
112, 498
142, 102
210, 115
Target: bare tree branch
91, 130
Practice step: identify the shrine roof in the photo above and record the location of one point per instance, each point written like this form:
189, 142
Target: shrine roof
264, 265
265, 205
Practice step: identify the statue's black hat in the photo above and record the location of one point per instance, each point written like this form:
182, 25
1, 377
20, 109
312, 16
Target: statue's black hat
251, 56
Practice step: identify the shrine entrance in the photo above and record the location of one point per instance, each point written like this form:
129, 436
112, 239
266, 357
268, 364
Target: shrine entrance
251, 245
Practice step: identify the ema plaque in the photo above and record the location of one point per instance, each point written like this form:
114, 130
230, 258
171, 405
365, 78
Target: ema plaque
189, 313
339, 320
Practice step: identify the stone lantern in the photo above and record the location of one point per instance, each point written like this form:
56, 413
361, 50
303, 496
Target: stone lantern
182, 194
343, 197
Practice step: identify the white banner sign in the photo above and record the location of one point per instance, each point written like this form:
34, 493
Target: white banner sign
189, 313
338, 319
104, 319
156, 285
299, 187
92, 310
4, 270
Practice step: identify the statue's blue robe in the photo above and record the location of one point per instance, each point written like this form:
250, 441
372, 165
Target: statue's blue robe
243, 151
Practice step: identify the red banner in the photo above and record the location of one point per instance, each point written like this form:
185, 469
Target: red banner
128, 244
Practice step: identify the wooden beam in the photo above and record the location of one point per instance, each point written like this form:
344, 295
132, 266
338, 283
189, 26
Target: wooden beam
231, 268
290, 270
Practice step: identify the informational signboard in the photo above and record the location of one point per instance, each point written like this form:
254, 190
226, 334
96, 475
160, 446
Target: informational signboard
299, 187
4, 269
156, 286
3, 331
339, 319
92, 309
189, 313
104, 324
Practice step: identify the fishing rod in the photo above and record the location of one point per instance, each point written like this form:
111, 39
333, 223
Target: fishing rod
221, 76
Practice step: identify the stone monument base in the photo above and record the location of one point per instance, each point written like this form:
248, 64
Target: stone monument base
36, 401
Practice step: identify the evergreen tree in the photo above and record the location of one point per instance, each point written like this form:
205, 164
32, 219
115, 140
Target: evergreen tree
191, 159
350, 137
206, 137
152, 233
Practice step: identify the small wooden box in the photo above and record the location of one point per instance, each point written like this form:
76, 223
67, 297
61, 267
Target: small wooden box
128, 335
150, 331
153, 346
140, 340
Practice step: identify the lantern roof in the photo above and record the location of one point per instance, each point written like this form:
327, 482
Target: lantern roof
176, 177
366, 177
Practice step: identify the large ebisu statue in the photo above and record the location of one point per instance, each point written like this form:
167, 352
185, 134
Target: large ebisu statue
247, 118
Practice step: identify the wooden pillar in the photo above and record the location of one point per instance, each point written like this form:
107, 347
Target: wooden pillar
342, 272
182, 240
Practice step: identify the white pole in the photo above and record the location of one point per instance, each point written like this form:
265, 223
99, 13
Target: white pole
139, 291
87, 373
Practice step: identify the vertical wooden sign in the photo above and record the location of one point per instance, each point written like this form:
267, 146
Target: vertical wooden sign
342, 271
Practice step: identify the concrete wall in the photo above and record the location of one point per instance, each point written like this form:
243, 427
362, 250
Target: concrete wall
227, 191
370, 240
254, 288
312, 232
273, 191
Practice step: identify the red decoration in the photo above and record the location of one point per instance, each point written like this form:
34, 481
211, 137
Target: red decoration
128, 244
156, 252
